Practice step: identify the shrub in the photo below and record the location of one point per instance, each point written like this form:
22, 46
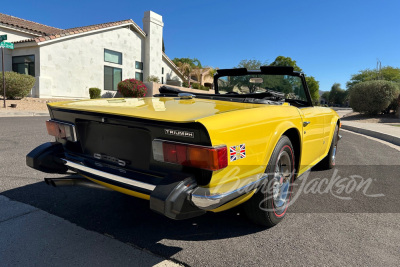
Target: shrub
205, 88
185, 84
17, 85
94, 93
153, 78
372, 97
132, 88
195, 86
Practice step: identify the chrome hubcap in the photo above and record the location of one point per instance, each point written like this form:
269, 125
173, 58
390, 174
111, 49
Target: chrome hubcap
334, 155
281, 182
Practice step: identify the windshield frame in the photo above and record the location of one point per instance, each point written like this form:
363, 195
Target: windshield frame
265, 70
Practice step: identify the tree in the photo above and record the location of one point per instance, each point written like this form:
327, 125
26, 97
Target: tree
325, 96
212, 71
197, 72
386, 73
251, 64
186, 66
313, 86
337, 95
193, 62
285, 61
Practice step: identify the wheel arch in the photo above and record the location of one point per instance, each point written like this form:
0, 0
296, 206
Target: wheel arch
294, 137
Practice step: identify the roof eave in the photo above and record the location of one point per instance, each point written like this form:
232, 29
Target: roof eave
89, 32
183, 77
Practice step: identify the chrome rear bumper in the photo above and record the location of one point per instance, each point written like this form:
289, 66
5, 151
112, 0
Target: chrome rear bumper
175, 195
76, 166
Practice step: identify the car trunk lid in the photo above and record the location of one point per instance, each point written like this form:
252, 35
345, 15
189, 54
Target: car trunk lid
155, 108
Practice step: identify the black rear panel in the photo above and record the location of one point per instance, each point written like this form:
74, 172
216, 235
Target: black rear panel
127, 142
129, 145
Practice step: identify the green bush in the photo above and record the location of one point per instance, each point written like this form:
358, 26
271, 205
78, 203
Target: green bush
94, 93
132, 88
195, 86
372, 97
185, 84
153, 78
17, 85
205, 88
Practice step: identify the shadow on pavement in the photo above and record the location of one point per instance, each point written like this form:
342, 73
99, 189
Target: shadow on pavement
129, 219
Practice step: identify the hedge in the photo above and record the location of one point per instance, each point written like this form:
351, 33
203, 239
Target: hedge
17, 85
373, 97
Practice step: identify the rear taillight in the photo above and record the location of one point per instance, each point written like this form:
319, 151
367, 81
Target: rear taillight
203, 157
61, 130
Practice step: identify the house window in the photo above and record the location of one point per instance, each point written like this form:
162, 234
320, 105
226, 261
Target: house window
139, 76
162, 70
162, 80
139, 65
112, 76
24, 64
112, 56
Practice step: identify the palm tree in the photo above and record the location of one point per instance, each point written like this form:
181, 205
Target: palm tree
186, 69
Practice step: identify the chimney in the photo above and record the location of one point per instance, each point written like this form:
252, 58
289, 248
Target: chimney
153, 27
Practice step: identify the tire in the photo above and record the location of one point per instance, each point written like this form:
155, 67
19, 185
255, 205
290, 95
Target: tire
269, 204
330, 160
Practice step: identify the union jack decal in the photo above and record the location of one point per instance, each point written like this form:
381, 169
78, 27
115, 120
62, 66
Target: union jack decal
237, 152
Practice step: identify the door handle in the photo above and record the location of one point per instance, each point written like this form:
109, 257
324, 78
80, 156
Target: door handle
305, 123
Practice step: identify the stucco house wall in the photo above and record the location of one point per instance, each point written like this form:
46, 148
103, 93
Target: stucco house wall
69, 62
169, 73
70, 67
14, 35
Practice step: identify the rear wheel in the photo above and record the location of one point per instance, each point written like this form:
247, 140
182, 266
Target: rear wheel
269, 204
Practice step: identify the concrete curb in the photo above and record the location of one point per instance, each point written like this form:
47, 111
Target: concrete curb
23, 113
385, 137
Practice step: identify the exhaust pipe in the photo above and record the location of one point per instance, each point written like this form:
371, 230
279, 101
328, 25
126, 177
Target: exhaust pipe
73, 182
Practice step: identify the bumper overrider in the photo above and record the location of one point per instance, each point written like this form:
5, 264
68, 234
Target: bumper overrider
175, 195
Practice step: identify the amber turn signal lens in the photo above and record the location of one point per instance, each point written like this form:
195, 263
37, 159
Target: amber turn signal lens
55, 129
61, 130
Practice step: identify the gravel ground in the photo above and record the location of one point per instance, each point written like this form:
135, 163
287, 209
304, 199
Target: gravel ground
30, 103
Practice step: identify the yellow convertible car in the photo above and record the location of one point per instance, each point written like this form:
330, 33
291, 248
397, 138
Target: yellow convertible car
192, 153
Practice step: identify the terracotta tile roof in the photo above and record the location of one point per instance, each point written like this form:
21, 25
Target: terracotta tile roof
71, 31
50, 33
28, 25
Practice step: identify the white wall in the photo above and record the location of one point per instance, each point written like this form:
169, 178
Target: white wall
13, 35
70, 67
153, 27
169, 74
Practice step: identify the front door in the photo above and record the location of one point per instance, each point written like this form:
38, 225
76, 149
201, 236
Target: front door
313, 136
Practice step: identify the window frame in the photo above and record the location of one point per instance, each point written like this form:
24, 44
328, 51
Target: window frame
105, 49
112, 79
141, 73
136, 62
15, 69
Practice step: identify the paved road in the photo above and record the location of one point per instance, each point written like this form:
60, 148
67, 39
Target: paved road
320, 229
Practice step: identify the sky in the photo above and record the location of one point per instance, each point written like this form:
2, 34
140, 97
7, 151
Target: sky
330, 40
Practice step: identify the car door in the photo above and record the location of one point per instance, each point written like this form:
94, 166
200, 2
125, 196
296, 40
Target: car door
313, 135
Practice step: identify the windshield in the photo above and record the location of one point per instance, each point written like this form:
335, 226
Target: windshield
290, 87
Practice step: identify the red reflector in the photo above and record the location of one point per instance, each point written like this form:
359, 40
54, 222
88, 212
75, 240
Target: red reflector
209, 158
